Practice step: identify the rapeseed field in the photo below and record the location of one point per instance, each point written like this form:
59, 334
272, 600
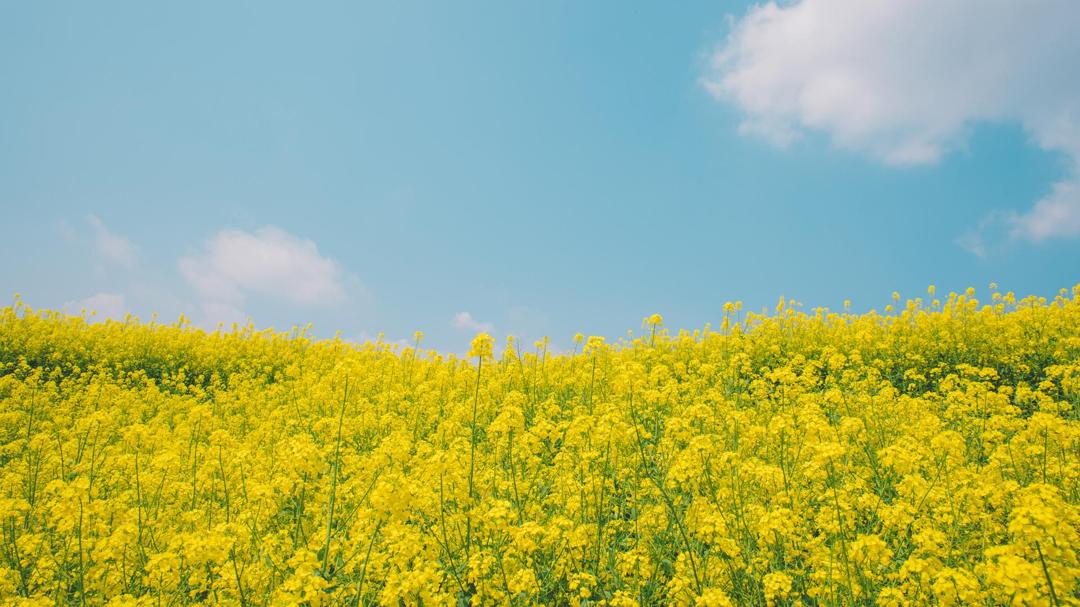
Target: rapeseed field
927, 454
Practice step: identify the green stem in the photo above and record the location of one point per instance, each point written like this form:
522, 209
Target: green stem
472, 460
334, 481
1046, 572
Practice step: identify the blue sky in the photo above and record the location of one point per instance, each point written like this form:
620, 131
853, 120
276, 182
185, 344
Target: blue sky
533, 168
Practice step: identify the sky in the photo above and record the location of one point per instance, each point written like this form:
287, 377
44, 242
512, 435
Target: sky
532, 168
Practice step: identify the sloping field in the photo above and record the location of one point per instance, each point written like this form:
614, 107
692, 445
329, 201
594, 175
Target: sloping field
925, 455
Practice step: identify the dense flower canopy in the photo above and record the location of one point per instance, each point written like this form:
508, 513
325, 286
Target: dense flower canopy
926, 455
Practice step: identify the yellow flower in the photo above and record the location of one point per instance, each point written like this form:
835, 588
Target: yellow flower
594, 342
713, 597
956, 587
777, 586
482, 346
925, 455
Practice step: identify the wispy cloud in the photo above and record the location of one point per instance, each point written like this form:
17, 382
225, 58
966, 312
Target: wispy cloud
904, 82
112, 247
268, 262
1058, 214
465, 320
105, 305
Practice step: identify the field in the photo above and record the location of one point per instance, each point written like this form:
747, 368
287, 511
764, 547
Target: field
928, 454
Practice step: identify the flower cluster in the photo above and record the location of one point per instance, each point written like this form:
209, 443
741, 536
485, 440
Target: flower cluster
926, 455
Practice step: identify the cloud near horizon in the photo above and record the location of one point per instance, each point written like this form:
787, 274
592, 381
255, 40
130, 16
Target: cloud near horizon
268, 262
101, 305
465, 320
904, 82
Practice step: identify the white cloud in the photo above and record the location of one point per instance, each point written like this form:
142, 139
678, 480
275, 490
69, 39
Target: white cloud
227, 314
465, 320
268, 262
114, 248
106, 305
905, 81
990, 236
1055, 215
